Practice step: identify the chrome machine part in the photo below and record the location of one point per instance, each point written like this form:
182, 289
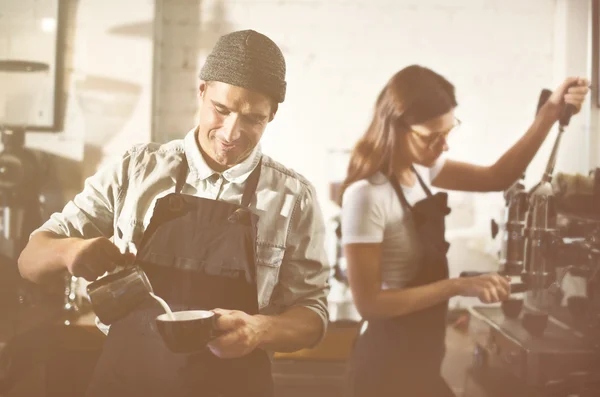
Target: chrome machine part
541, 231
513, 240
511, 256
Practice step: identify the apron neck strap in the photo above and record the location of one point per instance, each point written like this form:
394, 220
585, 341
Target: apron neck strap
249, 189
423, 184
400, 192
251, 184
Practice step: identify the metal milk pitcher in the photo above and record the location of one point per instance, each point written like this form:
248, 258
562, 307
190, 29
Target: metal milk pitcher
117, 294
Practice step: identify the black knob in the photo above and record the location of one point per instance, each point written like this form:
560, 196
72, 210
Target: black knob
495, 229
544, 95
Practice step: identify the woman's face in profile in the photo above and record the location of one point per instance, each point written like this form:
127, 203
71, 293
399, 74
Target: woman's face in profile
424, 143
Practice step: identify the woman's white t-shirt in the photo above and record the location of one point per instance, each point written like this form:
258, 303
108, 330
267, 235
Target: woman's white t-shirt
372, 213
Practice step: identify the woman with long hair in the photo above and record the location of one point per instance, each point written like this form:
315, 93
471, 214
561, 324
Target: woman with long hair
393, 228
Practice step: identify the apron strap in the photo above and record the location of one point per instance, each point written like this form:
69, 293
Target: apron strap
400, 192
423, 184
251, 184
249, 190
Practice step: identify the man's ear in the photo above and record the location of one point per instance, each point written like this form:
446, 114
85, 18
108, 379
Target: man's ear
275, 107
202, 88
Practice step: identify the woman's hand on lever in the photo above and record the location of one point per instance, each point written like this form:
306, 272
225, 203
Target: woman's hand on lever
489, 288
458, 175
571, 92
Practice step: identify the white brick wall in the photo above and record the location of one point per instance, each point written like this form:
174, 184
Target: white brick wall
499, 54
339, 53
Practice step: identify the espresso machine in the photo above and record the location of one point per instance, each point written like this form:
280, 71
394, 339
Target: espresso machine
558, 243
511, 228
548, 343
512, 238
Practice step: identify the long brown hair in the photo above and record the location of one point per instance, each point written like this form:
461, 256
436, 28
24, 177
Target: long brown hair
412, 96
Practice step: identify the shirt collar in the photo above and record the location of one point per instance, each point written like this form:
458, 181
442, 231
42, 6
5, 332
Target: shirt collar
197, 165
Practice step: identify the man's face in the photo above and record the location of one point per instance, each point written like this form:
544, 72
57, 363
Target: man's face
232, 121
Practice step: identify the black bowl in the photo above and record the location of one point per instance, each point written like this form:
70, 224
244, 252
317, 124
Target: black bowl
189, 331
535, 323
512, 307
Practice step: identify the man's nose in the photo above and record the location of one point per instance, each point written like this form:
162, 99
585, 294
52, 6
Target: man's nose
231, 128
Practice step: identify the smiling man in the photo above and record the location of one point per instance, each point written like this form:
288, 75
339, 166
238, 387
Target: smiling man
245, 239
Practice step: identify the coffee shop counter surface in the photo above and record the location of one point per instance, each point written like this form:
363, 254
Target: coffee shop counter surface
336, 345
79, 330
45, 351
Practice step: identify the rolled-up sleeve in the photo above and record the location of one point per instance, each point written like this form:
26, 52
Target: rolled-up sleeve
304, 274
91, 213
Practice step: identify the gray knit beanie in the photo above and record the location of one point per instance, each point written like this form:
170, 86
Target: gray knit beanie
250, 60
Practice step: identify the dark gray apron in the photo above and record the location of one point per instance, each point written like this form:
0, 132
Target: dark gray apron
198, 254
402, 356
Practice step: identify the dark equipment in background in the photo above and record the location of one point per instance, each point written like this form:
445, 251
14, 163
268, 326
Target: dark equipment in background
20, 214
19, 191
24, 344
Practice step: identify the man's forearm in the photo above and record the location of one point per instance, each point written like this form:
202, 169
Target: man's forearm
294, 329
42, 260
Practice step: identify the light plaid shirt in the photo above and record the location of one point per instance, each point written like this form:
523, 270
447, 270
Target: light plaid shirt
118, 201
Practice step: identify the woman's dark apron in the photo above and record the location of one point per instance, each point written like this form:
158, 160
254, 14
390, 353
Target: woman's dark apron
198, 254
402, 356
